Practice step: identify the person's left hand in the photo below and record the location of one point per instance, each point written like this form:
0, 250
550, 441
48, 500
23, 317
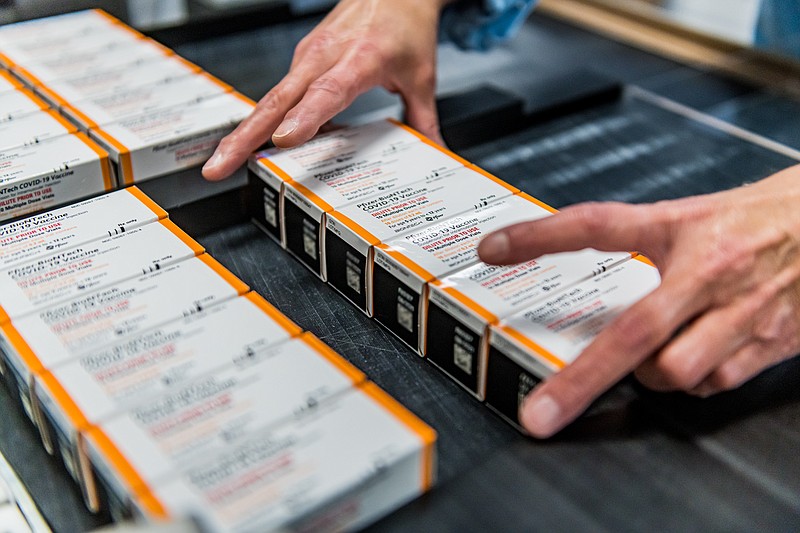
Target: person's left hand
728, 306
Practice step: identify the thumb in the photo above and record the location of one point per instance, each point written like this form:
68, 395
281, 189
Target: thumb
603, 226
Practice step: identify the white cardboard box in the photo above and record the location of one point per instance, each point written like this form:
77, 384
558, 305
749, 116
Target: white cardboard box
143, 100
462, 306
172, 139
308, 197
353, 230
86, 391
33, 128
403, 267
339, 467
76, 224
213, 412
543, 339
270, 169
18, 103
106, 82
68, 275
86, 62
50, 174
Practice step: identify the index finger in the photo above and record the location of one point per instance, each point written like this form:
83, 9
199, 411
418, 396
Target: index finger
621, 347
257, 128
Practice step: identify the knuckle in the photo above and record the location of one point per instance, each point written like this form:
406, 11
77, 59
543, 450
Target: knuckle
315, 43
329, 86
589, 217
727, 377
678, 371
642, 328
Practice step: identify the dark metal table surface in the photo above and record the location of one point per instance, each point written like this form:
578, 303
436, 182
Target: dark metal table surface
637, 460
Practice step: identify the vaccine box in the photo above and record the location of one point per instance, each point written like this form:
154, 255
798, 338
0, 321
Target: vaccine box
404, 266
26, 51
338, 467
68, 275
88, 61
92, 388
33, 128
108, 82
308, 197
56, 29
18, 103
76, 224
64, 331
270, 169
462, 306
213, 412
142, 100
173, 139
543, 339
352, 231
50, 174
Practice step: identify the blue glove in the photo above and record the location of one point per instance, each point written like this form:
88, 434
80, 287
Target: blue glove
481, 24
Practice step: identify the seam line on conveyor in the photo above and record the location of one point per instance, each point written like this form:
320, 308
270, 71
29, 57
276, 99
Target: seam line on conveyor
711, 121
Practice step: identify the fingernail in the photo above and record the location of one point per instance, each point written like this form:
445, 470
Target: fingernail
213, 161
541, 416
286, 127
495, 247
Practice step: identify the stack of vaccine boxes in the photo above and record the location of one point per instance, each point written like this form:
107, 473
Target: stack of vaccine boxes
171, 390
392, 221
135, 110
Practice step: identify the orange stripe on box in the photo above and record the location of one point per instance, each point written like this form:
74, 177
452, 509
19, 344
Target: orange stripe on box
238, 285
105, 14
104, 164
27, 76
525, 341
422, 430
406, 262
334, 358
494, 178
65, 401
47, 93
244, 99
195, 246
3, 316
275, 169
312, 197
22, 348
124, 468
7, 61
216, 81
355, 228
188, 64
9, 78
537, 202
84, 119
270, 310
644, 259
470, 304
146, 200
125, 164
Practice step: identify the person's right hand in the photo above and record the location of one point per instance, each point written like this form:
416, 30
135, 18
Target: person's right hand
361, 44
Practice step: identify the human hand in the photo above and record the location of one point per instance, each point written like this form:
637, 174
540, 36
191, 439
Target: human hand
359, 45
728, 306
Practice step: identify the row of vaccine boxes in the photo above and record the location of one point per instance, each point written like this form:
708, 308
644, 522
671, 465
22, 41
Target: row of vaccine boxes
135, 110
171, 390
392, 221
